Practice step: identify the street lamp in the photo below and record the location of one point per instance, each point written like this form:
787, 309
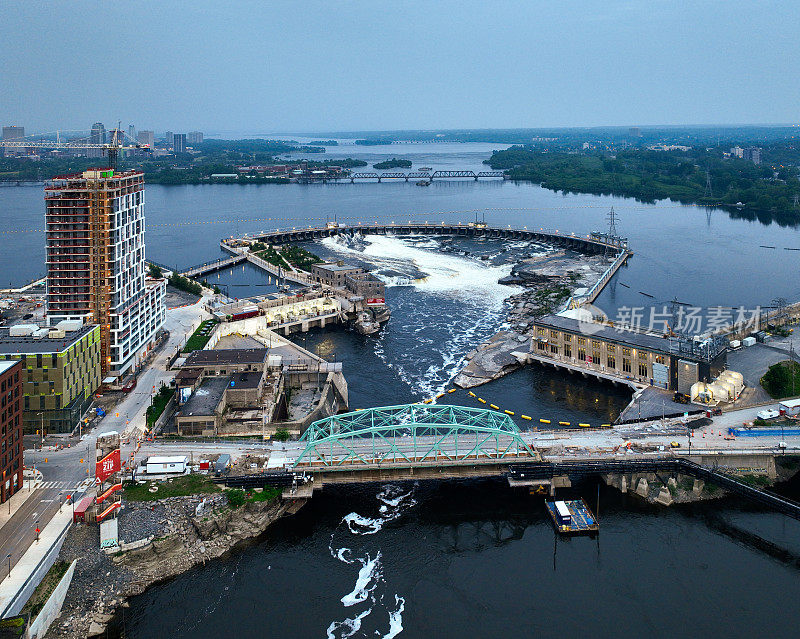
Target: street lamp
8, 556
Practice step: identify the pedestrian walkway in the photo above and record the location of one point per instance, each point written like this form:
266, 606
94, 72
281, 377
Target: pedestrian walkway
29, 488
28, 572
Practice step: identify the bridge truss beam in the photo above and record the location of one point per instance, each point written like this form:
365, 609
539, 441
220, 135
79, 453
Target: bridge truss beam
412, 434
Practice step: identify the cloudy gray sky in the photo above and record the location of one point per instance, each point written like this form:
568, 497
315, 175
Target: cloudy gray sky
311, 66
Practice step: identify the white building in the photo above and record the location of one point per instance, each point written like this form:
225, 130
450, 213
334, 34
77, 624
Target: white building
174, 465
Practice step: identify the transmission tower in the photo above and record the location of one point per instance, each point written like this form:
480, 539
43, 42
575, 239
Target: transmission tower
707, 192
612, 231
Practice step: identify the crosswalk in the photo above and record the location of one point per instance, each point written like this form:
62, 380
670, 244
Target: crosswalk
66, 485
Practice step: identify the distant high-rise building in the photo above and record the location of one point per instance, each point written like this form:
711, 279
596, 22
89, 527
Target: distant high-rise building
635, 132
96, 269
168, 137
146, 138
194, 137
179, 143
737, 152
752, 153
13, 133
98, 136
131, 133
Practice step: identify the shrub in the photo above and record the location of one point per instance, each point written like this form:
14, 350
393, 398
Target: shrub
236, 497
281, 435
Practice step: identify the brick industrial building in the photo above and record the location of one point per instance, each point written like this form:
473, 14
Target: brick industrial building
10, 428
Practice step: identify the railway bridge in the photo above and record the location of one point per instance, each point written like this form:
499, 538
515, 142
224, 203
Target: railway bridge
428, 176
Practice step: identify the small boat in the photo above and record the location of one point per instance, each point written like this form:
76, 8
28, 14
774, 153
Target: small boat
423, 183
425, 168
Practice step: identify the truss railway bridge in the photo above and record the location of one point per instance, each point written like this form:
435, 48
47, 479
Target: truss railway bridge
439, 441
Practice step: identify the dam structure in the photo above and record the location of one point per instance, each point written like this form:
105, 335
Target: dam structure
595, 243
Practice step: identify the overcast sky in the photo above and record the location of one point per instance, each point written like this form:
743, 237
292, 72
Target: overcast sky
310, 66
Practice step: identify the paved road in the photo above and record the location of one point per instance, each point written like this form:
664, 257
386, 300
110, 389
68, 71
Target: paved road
63, 470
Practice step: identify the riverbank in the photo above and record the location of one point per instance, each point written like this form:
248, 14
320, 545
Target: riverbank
168, 537
549, 280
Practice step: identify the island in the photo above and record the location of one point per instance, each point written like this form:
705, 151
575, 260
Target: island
394, 163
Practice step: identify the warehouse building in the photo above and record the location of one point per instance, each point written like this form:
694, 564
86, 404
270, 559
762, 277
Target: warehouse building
673, 363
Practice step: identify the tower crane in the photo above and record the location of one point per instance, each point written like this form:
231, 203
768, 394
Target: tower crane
111, 148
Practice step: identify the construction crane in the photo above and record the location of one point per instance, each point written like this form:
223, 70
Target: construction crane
111, 149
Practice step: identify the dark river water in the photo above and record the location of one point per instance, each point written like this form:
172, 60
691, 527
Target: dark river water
470, 558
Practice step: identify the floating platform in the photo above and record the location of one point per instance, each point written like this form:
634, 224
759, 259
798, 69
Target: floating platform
572, 517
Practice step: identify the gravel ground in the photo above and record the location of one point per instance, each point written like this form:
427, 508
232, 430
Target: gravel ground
93, 574
141, 520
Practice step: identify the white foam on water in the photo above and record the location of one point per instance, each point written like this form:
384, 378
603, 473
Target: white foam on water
359, 525
394, 500
396, 618
448, 274
349, 627
369, 573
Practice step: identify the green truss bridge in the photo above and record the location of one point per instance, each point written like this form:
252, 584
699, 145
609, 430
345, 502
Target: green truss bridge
411, 441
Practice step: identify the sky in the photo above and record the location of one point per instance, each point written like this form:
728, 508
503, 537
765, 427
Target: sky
310, 66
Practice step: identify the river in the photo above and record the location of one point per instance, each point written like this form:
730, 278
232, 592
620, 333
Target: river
470, 558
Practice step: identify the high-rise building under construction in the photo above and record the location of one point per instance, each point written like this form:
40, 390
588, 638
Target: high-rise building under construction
96, 263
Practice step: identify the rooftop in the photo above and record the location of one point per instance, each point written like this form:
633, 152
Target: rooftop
7, 365
206, 398
247, 380
29, 345
227, 356
627, 337
332, 266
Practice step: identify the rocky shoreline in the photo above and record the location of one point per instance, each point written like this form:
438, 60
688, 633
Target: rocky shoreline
549, 281
175, 534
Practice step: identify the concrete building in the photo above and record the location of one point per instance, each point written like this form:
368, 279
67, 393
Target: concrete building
752, 153
97, 136
13, 133
226, 361
168, 138
60, 372
644, 358
146, 138
179, 142
194, 137
96, 263
368, 286
203, 411
10, 428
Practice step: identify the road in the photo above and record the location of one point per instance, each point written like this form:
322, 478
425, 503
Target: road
64, 470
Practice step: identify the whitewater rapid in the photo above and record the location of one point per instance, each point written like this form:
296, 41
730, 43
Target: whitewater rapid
443, 304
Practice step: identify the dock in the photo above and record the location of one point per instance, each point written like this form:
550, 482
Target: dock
579, 520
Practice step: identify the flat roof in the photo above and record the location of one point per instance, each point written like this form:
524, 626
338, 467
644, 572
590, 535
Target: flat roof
791, 403
206, 398
332, 266
173, 459
28, 345
246, 380
618, 335
8, 364
226, 356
